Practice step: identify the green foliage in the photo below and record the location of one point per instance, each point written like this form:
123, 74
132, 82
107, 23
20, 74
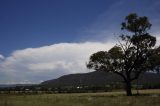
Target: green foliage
107, 61
135, 24
154, 60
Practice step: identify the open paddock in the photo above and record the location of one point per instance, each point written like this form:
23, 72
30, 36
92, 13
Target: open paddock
117, 98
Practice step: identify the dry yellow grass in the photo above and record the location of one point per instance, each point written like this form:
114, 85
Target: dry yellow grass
83, 99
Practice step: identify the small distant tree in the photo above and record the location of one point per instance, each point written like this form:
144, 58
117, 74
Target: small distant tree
136, 52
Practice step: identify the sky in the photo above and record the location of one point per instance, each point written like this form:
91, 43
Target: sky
45, 39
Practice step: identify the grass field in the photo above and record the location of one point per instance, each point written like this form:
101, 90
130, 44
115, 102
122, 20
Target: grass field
147, 98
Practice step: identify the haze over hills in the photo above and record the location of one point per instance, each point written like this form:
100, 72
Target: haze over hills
98, 78
15, 85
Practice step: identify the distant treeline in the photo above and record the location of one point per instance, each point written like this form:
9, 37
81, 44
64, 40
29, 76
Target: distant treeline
71, 89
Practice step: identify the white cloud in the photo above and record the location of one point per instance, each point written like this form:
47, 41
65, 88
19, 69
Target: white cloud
36, 64
1, 57
158, 41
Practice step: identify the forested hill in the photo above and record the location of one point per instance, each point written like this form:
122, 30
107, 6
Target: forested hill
98, 78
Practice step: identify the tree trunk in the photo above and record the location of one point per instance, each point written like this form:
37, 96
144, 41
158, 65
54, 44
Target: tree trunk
128, 88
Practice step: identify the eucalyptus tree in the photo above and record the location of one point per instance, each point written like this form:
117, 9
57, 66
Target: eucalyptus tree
134, 54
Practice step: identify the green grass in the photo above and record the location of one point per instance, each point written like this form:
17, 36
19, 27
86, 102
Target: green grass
149, 98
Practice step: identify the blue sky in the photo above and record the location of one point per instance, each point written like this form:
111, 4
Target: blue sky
50, 38
34, 23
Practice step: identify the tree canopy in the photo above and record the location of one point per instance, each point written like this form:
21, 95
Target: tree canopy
136, 52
